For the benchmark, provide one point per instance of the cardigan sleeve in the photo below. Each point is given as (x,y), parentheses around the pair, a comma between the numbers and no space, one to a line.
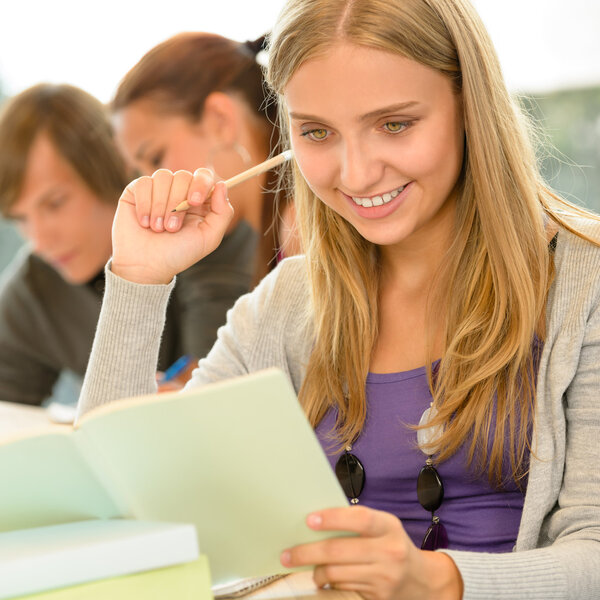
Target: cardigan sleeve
(125,350)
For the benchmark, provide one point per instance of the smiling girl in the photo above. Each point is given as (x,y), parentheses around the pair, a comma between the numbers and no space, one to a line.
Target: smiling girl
(442,329)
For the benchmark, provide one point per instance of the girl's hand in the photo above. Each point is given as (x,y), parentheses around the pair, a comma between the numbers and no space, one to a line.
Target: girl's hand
(381,563)
(151,244)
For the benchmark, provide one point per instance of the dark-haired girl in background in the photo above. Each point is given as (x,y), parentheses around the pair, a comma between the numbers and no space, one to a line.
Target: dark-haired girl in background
(199,100)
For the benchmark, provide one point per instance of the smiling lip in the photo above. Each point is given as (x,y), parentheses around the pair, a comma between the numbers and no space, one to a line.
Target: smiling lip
(378,200)
(379,206)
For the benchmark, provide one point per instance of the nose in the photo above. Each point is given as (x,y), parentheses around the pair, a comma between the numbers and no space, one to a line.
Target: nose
(360,167)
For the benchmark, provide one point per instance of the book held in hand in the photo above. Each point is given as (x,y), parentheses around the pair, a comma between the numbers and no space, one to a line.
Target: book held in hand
(237,459)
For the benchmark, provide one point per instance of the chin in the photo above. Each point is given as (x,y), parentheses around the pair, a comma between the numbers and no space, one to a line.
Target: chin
(383,236)
(76,276)
(73,279)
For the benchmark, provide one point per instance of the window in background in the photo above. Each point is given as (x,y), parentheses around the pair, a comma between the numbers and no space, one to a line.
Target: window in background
(569,121)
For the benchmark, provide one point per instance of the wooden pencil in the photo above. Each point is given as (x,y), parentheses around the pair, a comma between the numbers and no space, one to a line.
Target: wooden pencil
(268,164)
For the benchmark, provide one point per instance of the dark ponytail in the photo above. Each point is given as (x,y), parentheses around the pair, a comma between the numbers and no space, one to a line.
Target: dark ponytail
(182,71)
(258,45)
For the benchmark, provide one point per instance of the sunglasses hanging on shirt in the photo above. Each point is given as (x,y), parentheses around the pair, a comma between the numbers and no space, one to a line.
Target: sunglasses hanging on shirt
(430,489)
(351,474)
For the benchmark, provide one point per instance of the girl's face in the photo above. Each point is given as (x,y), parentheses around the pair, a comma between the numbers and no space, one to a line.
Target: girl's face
(150,139)
(379,139)
(67,224)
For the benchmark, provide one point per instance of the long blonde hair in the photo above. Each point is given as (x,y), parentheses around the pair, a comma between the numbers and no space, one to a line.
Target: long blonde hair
(498,269)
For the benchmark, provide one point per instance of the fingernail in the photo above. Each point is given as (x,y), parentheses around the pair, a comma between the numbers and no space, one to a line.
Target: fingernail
(195,197)
(286,558)
(145,221)
(314,521)
(158,224)
(172,224)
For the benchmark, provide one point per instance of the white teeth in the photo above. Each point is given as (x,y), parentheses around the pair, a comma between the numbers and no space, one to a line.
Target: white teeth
(377,200)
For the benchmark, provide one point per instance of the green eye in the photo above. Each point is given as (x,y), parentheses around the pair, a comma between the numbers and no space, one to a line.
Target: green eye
(394,126)
(319,134)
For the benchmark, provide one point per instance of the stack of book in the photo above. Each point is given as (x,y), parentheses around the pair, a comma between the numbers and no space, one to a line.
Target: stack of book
(116,558)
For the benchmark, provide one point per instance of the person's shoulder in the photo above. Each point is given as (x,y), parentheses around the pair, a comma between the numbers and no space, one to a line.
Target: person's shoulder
(290,274)
(577,263)
(582,241)
(17,283)
(21,269)
(293,266)
(28,278)
(587,225)
(276,309)
(284,287)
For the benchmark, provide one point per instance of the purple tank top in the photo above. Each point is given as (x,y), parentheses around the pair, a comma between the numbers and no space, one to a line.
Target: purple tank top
(477,516)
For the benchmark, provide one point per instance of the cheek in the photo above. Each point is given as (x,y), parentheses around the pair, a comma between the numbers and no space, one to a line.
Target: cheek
(84,227)
(439,158)
(91,222)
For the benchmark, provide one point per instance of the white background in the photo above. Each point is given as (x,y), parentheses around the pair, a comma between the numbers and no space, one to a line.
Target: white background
(543,44)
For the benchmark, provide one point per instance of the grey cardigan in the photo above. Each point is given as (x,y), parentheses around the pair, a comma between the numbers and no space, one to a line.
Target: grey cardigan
(557,553)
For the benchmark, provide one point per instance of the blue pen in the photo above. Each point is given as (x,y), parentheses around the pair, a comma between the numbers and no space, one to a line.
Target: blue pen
(178,367)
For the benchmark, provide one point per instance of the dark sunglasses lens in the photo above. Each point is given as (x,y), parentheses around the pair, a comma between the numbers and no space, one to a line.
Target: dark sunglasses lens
(430,489)
(436,536)
(351,474)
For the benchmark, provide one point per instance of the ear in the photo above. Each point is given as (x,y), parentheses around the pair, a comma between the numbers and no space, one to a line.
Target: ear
(221,119)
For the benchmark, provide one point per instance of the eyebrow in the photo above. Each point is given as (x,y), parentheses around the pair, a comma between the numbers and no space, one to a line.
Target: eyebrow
(386,110)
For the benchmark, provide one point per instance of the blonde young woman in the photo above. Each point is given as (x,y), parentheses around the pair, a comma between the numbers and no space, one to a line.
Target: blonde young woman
(443,284)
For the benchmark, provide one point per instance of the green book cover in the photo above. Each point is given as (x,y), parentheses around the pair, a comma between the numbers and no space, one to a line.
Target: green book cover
(56,556)
(190,581)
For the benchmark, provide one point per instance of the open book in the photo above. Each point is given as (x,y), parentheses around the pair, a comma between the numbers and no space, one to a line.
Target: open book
(237,459)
